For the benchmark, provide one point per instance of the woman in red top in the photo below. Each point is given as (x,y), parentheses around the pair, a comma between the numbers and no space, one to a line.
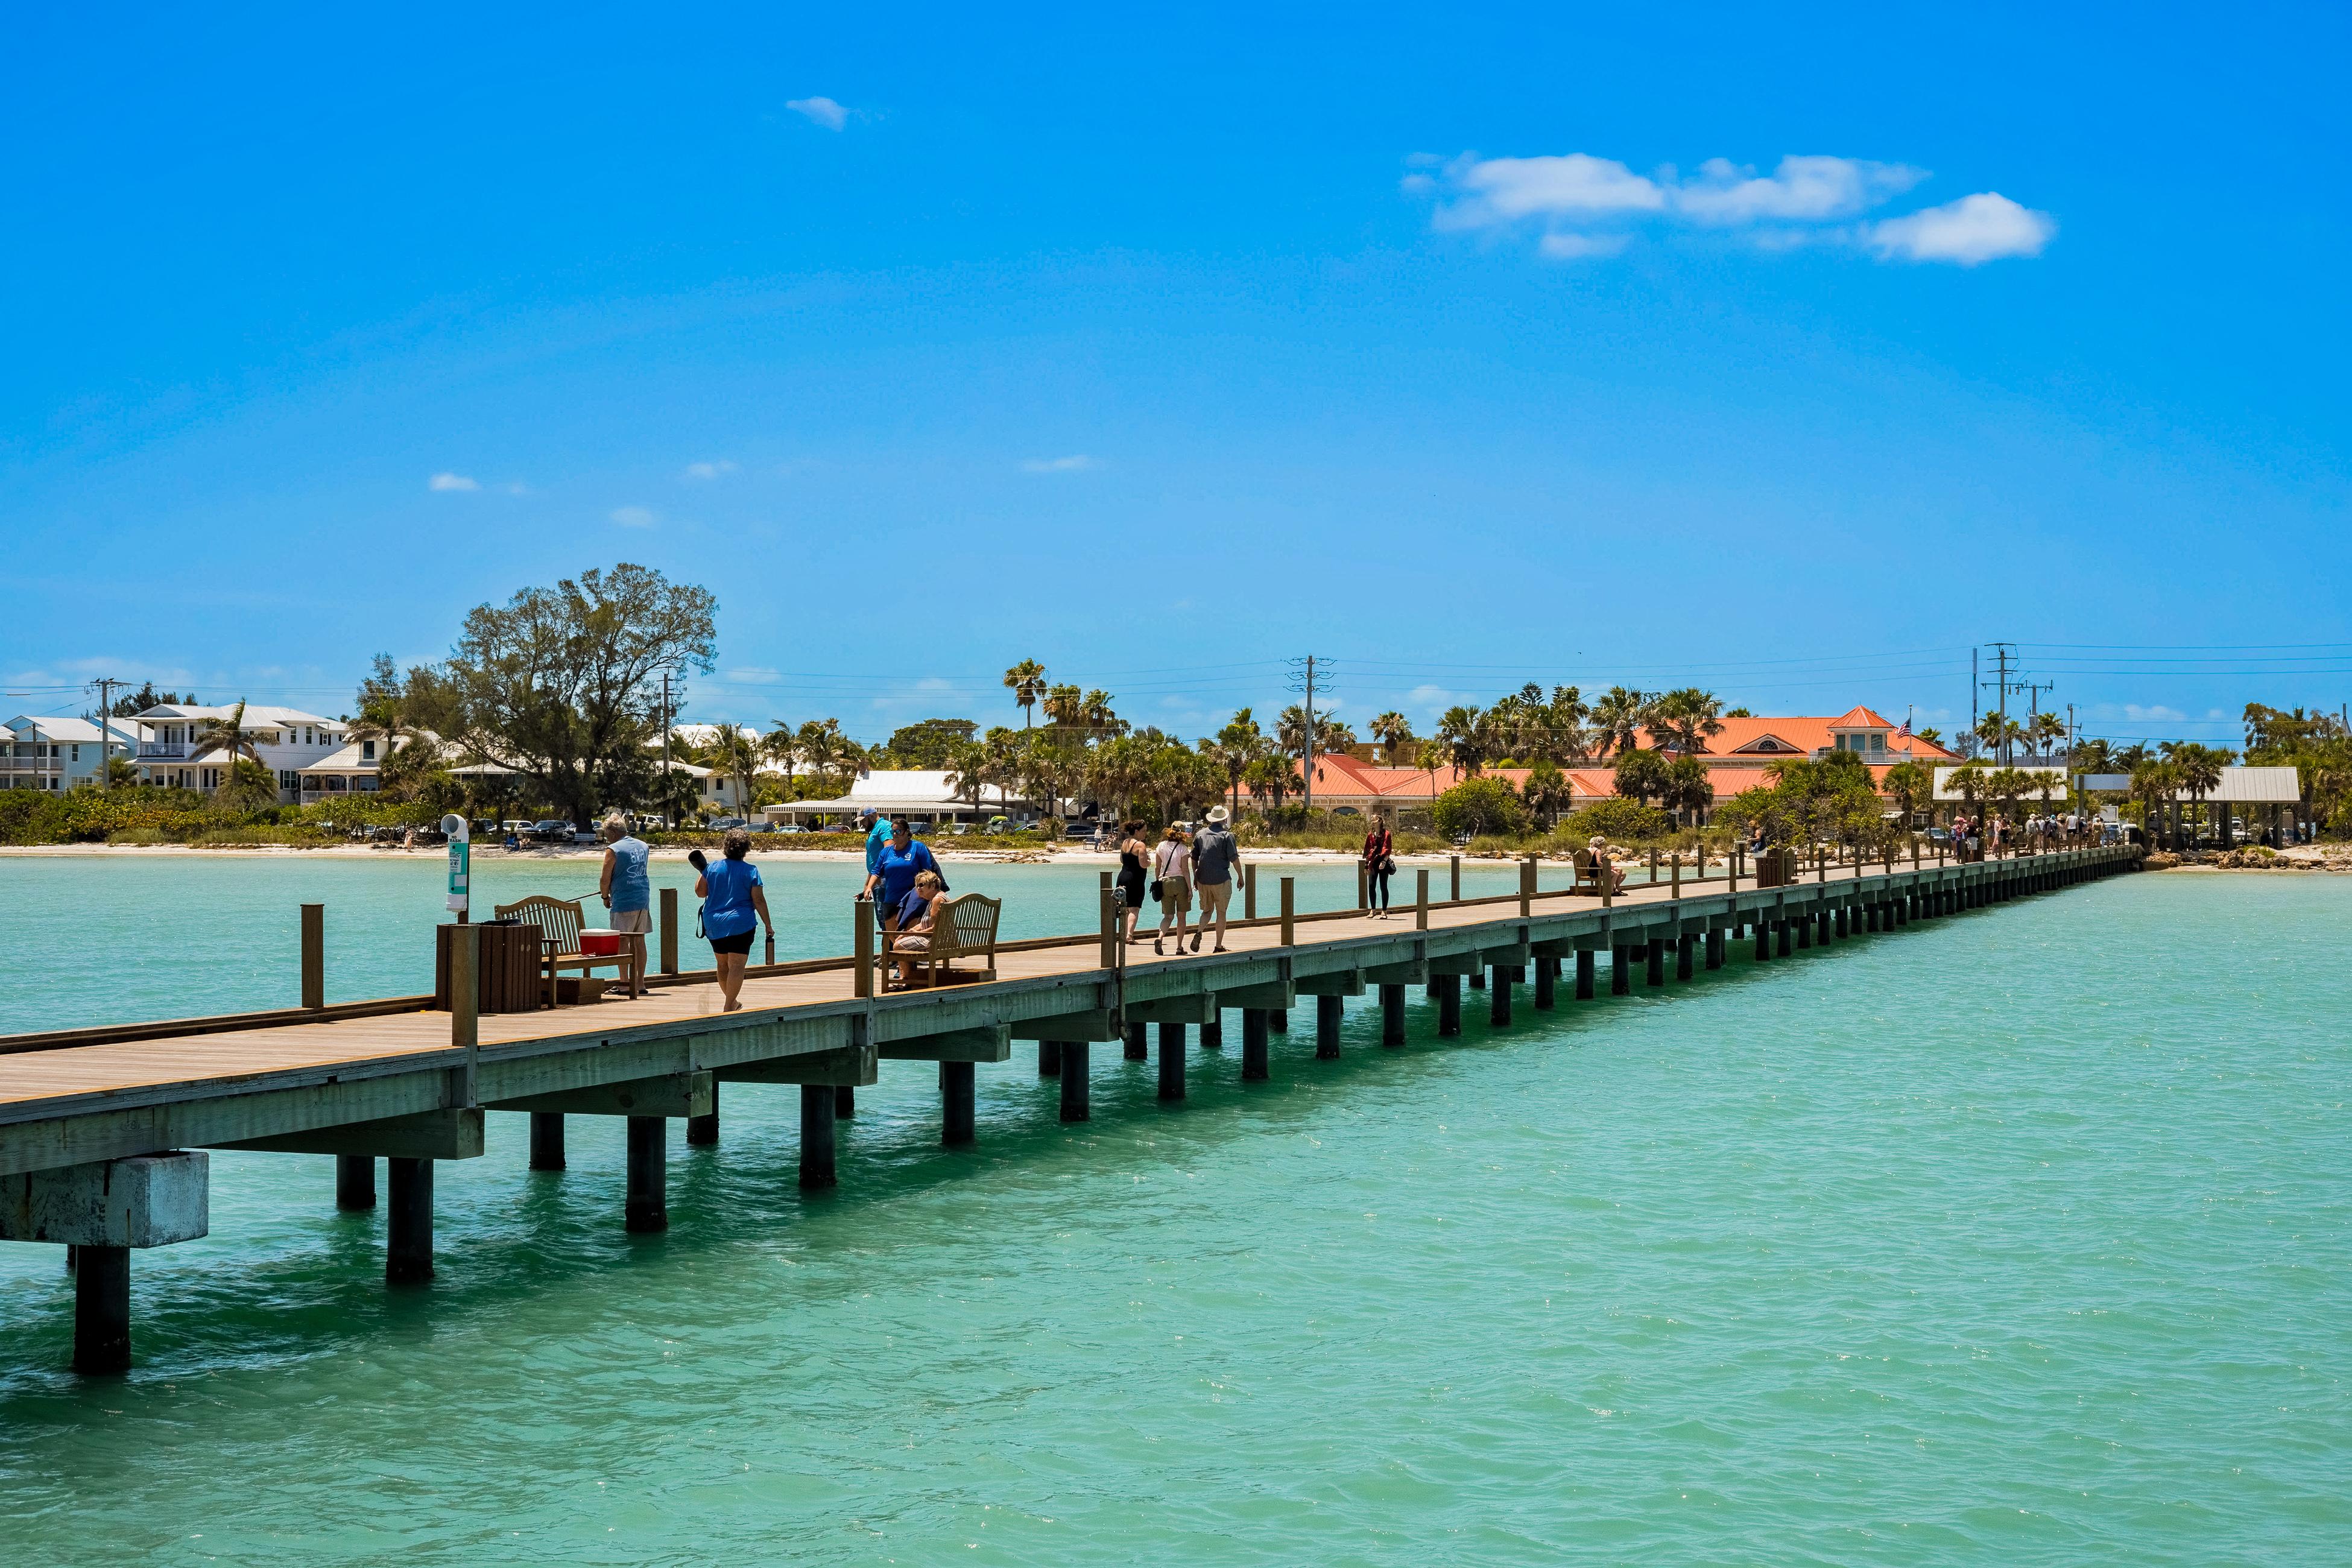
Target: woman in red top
(1379,864)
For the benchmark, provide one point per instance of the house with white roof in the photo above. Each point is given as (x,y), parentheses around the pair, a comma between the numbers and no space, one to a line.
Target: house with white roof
(919,792)
(286,741)
(42,751)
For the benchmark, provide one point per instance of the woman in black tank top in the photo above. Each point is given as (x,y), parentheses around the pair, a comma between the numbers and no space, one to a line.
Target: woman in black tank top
(1133,853)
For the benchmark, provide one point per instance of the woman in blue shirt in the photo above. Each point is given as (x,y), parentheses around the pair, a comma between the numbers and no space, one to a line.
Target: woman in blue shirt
(734,906)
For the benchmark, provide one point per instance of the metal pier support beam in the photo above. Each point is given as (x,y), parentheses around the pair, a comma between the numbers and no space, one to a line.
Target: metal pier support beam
(1547,981)
(646,1210)
(354,1182)
(1135,1047)
(1498,1000)
(1254,1044)
(1392,1015)
(101,1342)
(703,1131)
(1076,1105)
(958,1096)
(1584,974)
(1656,969)
(1171,1061)
(1329,1011)
(547,1140)
(408,1222)
(816,1134)
(1449,1005)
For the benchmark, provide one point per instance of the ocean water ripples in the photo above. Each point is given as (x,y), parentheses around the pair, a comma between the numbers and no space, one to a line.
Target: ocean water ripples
(2019,1237)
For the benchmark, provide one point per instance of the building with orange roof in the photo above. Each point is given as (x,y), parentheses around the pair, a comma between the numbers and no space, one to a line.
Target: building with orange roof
(1737,759)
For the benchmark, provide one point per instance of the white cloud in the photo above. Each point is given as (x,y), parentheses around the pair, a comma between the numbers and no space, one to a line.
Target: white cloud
(1568,247)
(820,110)
(634,516)
(1578,206)
(708,470)
(1982,227)
(451,482)
(1075,463)
(1800,188)
(517,489)
(2158,712)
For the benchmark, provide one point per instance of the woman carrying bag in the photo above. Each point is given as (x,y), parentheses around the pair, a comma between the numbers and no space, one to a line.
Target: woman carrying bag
(1172,863)
(1380,865)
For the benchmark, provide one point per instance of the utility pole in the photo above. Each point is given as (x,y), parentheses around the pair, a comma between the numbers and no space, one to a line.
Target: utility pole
(105,731)
(665,726)
(1307,676)
(2002,683)
(1975,682)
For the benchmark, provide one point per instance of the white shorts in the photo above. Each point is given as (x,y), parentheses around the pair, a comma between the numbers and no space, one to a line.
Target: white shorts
(631,921)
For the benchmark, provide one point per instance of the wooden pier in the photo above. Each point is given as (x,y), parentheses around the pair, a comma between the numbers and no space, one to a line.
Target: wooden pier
(102,1131)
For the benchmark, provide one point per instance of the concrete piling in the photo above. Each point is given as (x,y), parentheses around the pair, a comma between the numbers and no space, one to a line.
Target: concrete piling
(354,1182)
(817,1167)
(958,1096)
(646,1210)
(408,1222)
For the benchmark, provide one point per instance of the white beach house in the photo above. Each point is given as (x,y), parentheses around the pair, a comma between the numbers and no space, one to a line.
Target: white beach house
(286,740)
(42,752)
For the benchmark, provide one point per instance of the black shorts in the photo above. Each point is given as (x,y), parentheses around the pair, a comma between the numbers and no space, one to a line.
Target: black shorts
(741,942)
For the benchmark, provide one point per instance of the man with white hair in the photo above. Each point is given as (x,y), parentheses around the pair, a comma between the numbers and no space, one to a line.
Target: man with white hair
(626,887)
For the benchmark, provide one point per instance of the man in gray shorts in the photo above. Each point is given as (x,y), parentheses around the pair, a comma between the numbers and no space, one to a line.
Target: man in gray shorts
(1216,857)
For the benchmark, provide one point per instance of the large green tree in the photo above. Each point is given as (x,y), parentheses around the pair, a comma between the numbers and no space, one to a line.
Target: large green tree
(564,686)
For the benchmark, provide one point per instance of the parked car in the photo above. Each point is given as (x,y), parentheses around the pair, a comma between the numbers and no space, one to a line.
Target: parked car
(551,830)
(787,827)
(723,822)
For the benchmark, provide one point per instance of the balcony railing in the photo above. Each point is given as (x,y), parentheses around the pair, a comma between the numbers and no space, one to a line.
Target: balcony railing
(164,751)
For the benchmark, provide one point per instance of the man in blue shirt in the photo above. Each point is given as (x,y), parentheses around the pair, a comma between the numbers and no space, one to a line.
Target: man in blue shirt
(877,835)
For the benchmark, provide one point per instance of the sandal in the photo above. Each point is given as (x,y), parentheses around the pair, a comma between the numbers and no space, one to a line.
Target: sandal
(1155,946)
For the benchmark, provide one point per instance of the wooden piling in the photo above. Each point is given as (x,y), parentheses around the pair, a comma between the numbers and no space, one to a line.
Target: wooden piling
(1329,1011)
(816,1137)
(354,1182)
(959,1106)
(646,1208)
(703,1131)
(1289,912)
(1421,898)
(408,1222)
(861,946)
(1454,863)
(1526,887)
(314,956)
(1076,1085)
(102,1333)
(1171,1057)
(547,1140)
(668,953)
(1248,876)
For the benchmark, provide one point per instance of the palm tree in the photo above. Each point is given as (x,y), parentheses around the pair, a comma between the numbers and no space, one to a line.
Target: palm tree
(227,736)
(1686,719)
(1118,768)
(1689,788)
(1618,718)
(2200,767)
(968,772)
(1463,730)
(782,745)
(1909,786)
(1546,792)
(825,748)
(1233,749)
(1392,731)
(1065,705)
(739,761)
(2154,784)
(1968,784)
(1097,711)
(2043,731)
(1999,734)
(1026,680)
(1270,778)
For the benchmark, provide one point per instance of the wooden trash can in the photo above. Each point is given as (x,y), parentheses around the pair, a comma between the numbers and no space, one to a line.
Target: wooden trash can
(507,970)
(1776,868)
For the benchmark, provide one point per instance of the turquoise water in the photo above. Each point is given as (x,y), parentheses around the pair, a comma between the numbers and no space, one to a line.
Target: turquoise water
(106,942)
(2019,1238)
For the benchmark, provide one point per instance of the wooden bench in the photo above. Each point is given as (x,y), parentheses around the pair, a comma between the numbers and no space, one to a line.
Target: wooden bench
(560,923)
(965,928)
(1588,875)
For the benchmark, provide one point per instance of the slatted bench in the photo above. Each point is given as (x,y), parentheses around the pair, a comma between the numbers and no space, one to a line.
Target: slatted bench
(560,923)
(965,928)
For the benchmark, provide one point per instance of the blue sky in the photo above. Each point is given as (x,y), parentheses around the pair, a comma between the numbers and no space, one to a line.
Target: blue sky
(1789,359)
